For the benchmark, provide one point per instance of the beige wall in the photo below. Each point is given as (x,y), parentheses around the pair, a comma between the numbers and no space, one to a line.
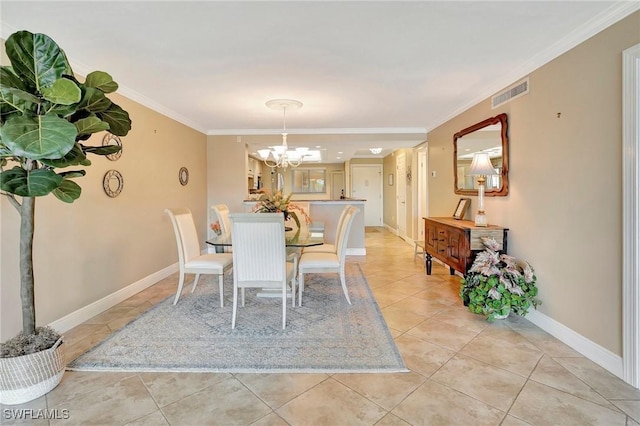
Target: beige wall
(227,172)
(98,245)
(564,206)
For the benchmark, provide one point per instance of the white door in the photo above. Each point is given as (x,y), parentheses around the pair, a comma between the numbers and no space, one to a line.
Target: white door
(422,195)
(366,184)
(401,195)
(337,185)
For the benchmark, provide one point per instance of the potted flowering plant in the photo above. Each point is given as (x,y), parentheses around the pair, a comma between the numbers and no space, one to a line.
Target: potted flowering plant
(269,202)
(497,284)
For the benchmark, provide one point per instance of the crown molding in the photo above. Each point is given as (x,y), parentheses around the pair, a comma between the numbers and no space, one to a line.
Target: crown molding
(325,131)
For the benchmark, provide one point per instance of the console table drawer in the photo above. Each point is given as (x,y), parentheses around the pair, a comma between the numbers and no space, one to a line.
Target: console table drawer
(456,242)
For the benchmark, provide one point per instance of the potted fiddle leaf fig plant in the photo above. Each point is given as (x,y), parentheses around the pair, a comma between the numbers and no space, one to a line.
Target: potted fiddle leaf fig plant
(497,284)
(46,115)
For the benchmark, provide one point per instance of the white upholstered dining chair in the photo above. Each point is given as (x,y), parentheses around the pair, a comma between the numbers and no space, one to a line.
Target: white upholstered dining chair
(328,262)
(260,257)
(190,258)
(221,214)
(332,246)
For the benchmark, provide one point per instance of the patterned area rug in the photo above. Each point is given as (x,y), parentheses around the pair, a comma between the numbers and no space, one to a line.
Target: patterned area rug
(325,335)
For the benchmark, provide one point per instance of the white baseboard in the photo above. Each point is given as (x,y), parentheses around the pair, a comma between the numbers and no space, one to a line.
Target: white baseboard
(596,353)
(390,229)
(356,251)
(76,318)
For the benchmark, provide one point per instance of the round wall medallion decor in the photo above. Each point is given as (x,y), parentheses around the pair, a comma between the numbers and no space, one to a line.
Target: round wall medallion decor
(183,176)
(112,183)
(110,139)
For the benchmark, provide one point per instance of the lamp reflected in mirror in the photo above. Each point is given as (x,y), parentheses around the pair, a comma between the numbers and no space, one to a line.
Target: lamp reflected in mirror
(481,166)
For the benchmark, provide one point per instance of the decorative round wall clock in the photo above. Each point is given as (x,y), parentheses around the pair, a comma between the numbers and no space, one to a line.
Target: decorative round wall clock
(183,176)
(112,183)
(111,139)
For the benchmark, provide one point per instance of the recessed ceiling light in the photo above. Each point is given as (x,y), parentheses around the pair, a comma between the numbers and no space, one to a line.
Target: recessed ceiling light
(318,146)
(339,152)
(375,150)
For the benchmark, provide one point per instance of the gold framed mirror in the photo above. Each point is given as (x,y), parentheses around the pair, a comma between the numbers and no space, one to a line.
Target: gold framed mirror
(488,136)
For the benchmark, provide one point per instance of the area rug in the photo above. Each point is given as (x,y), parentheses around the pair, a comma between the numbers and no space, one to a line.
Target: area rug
(325,335)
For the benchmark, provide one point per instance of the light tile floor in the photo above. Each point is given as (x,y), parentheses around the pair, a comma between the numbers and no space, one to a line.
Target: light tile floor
(464,371)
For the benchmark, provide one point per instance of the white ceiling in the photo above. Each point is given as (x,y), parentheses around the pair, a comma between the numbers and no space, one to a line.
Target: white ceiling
(368,73)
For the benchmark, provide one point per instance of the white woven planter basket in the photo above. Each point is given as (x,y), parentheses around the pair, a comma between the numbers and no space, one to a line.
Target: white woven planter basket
(25,378)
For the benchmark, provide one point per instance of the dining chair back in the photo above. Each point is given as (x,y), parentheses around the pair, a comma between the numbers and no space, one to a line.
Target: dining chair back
(221,214)
(320,262)
(190,258)
(330,247)
(259,256)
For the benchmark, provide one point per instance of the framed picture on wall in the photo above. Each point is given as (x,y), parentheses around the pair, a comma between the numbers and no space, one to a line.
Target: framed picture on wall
(460,211)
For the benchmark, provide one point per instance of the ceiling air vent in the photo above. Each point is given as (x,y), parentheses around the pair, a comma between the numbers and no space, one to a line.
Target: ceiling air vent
(515,91)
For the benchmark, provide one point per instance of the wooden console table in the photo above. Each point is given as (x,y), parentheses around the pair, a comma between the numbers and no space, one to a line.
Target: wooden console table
(456,242)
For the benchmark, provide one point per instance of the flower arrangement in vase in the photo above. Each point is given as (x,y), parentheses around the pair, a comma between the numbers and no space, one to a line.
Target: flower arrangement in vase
(276,202)
(497,284)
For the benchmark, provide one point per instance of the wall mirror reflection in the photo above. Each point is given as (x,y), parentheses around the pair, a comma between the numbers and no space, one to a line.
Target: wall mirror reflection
(489,136)
(309,180)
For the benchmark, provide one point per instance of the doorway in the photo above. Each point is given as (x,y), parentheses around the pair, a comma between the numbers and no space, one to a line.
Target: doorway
(366,184)
(337,184)
(401,195)
(422,195)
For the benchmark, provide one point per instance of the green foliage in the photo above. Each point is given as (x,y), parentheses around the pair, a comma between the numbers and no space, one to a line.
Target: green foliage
(497,285)
(46,113)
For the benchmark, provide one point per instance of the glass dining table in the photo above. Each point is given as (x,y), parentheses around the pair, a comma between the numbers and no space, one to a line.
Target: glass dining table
(315,237)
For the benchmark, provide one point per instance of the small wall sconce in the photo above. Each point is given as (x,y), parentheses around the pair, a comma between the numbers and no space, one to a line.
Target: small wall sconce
(481,166)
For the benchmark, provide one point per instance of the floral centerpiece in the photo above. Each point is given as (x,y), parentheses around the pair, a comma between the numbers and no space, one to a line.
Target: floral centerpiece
(269,202)
(497,284)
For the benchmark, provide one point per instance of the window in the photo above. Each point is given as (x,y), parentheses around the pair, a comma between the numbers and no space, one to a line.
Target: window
(309,180)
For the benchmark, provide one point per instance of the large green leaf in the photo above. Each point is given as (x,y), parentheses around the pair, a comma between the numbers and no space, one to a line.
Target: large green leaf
(90,125)
(37,59)
(34,183)
(102,150)
(16,99)
(43,136)
(118,119)
(71,174)
(68,191)
(102,81)
(94,100)
(73,158)
(63,92)
(9,78)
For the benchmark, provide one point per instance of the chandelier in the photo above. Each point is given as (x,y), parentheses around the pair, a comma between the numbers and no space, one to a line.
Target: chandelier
(280,155)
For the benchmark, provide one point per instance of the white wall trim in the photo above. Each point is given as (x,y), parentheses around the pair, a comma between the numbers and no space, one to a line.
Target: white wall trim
(356,251)
(596,353)
(76,318)
(631,215)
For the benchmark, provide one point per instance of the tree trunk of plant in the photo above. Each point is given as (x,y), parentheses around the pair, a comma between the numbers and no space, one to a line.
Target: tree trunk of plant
(27,214)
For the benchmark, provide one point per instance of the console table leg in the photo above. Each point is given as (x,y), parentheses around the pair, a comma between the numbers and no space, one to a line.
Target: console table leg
(428,263)
(452,271)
